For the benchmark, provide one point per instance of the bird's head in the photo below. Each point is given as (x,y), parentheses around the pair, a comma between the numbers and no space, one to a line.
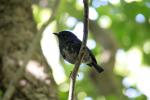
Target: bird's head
(65,35)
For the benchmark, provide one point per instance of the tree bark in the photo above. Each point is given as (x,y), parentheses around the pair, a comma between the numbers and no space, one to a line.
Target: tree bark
(17,30)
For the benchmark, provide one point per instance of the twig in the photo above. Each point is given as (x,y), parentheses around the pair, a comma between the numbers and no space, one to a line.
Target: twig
(81,53)
(32,47)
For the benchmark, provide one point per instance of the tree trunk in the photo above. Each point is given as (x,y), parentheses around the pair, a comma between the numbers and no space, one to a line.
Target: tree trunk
(17,31)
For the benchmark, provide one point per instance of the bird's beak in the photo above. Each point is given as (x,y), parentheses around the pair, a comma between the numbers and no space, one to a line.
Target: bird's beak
(55,34)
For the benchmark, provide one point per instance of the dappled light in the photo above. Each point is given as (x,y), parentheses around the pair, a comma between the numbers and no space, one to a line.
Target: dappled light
(128,62)
(118,37)
(105,21)
(93,15)
(50,50)
(140,18)
(36,70)
(130,1)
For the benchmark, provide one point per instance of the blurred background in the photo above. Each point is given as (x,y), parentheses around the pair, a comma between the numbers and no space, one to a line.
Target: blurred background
(119,37)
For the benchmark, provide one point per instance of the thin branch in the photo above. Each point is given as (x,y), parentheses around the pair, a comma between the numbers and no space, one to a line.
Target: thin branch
(81,53)
(32,47)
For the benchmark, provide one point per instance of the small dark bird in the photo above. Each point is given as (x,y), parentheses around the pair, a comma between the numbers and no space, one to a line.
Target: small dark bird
(69,46)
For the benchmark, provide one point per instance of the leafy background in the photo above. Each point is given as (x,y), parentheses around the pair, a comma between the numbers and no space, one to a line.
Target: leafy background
(125,22)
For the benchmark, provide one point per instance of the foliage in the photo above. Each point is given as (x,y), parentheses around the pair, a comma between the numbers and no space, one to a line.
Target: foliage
(129,24)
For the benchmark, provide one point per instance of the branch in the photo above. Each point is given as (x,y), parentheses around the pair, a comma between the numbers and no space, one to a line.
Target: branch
(81,53)
(32,47)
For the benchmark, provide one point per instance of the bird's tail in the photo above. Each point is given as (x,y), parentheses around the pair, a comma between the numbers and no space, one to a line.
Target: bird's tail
(97,67)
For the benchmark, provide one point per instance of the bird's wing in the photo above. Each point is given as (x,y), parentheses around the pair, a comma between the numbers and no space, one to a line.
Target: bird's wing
(75,46)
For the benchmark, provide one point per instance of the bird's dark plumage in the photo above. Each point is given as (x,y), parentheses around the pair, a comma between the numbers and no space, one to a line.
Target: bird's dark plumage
(69,46)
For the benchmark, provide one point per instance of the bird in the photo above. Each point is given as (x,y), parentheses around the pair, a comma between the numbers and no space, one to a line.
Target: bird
(69,46)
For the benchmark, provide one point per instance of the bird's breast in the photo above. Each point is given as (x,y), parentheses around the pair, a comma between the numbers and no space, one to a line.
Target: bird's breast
(70,56)
(70,50)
